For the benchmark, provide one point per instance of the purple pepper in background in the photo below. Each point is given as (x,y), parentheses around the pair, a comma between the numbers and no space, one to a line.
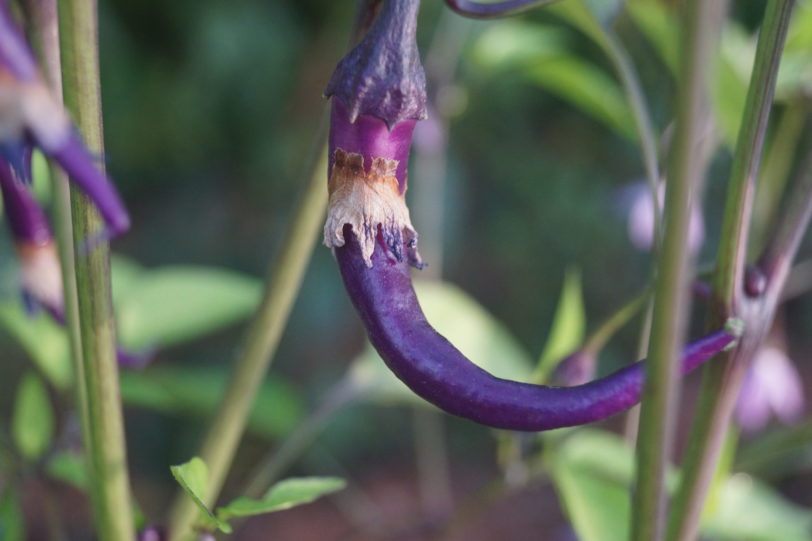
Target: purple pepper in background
(378,94)
(30,115)
(40,272)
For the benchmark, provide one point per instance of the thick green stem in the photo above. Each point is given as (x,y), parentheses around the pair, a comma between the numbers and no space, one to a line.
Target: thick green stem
(43,16)
(282,286)
(106,451)
(723,379)
(703,23)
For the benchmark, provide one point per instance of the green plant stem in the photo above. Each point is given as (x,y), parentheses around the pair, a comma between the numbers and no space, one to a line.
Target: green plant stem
(43,16)
(722,379)
(703,23)
(104,423)
(642,120)
(346,391)
(775,169)
(260,343)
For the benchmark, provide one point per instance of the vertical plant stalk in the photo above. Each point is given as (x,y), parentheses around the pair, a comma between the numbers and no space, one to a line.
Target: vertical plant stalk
(44,21)
(703,23)
(260,343)
(722,381)
(106,452)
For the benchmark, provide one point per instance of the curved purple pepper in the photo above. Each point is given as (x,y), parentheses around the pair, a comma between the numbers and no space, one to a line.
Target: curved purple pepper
(369,229)
(434,369)
(29,114)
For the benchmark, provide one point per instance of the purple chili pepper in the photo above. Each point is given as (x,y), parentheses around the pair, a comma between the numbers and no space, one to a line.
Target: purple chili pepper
(378,94)
(30,114)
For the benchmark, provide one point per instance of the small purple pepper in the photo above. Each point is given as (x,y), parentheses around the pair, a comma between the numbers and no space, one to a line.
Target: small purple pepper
(378,93)
(30,115)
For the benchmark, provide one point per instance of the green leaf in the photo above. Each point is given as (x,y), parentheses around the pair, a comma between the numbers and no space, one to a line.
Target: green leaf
(12,527)
(660,26)
(33,423)
(170,305)
(69,467)
(587,87)
(43,340)
(458,317)
(510,43)
(569,324)
(283,495)
(591,470)
(749,509)
(193,477)
(196,391)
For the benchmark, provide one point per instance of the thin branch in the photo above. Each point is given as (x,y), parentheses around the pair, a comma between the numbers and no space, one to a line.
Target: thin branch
(703,22)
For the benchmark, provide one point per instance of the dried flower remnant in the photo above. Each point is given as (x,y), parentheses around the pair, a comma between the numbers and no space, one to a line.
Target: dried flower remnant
(30,115)
(378,94)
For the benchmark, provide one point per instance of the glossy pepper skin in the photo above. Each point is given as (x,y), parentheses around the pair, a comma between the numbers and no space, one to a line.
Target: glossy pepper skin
(374,110)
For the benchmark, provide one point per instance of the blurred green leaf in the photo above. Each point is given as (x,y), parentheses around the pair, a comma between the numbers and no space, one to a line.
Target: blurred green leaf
(43,340)
(510,43)
(659,25)
(69,467)
(458,317)
(175,304)
(587,87)
(193,477)
(781,451)
(539,51)
(569,324)
(125,274)
(749,509)
(588,16)
(194,390)
(12,527)
(33,422)
(283,495)
(591,470)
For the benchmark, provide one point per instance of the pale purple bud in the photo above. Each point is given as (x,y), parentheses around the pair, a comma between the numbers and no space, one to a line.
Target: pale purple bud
(772,387)
(641,219)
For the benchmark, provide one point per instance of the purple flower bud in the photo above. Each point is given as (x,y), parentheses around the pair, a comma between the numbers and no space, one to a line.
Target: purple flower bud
(771,387)
(576,369)
(641,219)
(152,533)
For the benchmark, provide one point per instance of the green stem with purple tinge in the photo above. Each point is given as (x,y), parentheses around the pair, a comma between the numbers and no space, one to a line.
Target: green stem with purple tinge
(107,457)
(733,296)
(702,27)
